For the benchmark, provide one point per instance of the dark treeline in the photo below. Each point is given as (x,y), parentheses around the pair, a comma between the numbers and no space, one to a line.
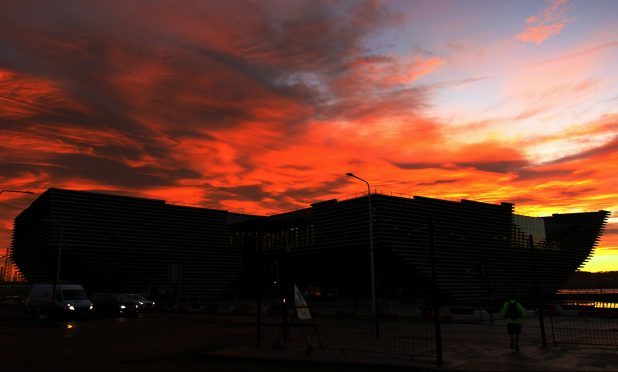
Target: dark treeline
(584,279)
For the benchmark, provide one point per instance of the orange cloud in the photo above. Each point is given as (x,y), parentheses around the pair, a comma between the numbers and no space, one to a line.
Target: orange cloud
(391,70)
(265,110)
(547,24)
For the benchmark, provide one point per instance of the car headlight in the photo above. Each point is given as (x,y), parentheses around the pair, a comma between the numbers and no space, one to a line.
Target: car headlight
(137,307)
(91,307)
(71,307)
(141,303)
(123,307)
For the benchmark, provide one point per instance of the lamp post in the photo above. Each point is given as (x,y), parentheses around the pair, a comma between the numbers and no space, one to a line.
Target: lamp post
(371,261)
(60,251)
(57,276)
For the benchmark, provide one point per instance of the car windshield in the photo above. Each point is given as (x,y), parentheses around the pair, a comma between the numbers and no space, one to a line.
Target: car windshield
(74,294)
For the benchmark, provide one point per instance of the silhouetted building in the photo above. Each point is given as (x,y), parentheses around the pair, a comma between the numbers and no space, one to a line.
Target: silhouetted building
(482,250)
(193,254)
(122,244)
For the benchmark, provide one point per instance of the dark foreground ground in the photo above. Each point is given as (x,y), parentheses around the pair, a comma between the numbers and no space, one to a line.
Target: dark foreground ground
(151,341)
(164,341)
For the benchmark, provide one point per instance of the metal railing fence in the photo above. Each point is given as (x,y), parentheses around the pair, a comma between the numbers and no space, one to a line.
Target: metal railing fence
(409,337)
(601,330)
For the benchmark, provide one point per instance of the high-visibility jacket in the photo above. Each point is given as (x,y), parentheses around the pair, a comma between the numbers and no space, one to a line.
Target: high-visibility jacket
(521,311)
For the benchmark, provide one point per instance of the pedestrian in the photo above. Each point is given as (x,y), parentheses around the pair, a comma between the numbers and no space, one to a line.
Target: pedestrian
(513,312)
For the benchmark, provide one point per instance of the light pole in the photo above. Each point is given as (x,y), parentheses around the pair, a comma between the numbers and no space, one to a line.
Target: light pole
(5,273)
(371,261)
(60,251)
(57,276)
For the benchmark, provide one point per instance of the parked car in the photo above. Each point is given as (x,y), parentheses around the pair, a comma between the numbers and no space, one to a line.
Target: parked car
(71,300)
(143,304)
(114,304)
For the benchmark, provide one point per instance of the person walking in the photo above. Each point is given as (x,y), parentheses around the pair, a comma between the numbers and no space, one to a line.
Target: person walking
(513,312)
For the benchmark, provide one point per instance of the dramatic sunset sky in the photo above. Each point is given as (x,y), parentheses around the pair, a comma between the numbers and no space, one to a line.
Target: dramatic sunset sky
(263,106)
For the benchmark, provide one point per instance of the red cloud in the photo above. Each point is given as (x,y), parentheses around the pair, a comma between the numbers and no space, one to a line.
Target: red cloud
(257,111)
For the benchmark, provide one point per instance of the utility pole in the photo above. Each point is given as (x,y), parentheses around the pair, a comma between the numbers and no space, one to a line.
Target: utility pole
(372,279)
(57,276)
(259,282)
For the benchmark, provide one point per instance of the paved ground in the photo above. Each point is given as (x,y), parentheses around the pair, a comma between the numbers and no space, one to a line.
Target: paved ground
(488,349)
(468,347)
(226,343)
(156,341)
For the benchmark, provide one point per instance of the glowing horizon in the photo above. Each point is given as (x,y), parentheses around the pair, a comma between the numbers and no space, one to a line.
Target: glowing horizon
(263,107)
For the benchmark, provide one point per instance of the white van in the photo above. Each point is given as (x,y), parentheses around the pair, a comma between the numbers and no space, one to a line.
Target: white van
(71,299)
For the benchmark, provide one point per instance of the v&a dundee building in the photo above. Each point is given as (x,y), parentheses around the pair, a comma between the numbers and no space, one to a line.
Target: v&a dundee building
(199,255)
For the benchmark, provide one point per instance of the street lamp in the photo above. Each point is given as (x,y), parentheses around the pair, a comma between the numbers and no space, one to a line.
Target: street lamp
(371,261)
(57,277)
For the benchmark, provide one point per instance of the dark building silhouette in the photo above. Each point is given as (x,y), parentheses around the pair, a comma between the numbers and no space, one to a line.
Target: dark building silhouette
(119,243)
(195,254)
(480,248)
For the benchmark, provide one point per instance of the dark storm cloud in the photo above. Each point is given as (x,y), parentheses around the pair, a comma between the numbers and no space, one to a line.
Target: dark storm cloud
(155,72)
(279,39)
(357,162)
(105,171)
(9,169)
(358,106)
(495,166)
(523,170)
(296,167)
(117,173)
(521,200)
(413,165)
(528,173)
(486,166)
(287,200)
(605,149)
(310,193)
(299,196)
(438,182)
(244,192)
(577,192)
